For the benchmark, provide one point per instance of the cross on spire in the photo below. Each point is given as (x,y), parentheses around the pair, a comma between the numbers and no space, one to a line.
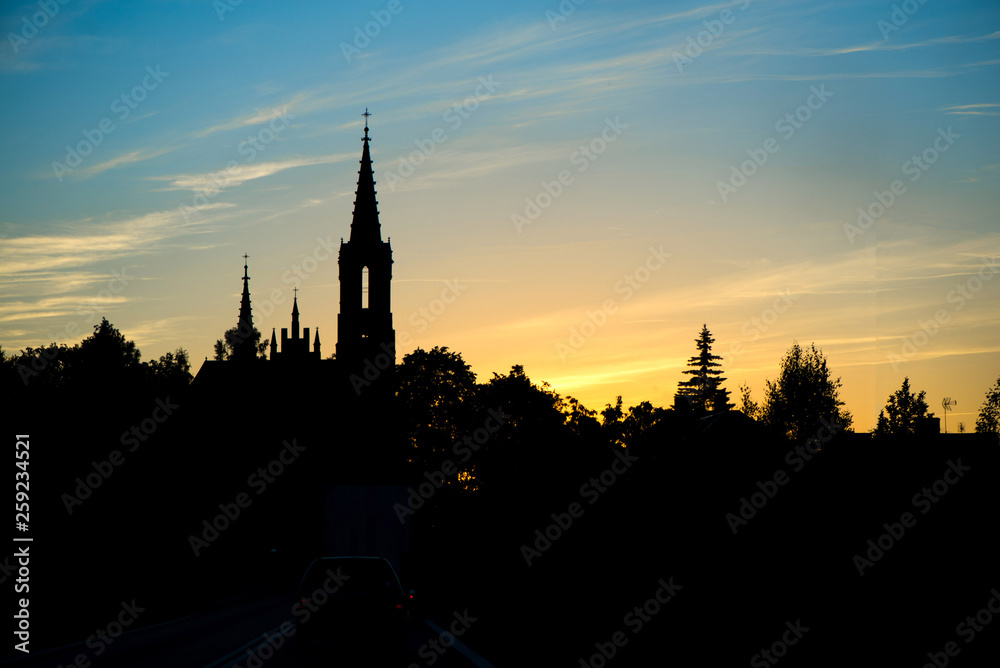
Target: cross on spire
(366,115)
(245,257)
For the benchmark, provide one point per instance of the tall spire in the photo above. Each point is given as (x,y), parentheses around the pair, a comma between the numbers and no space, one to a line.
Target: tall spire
(245,346)
(365,226)
(295,314)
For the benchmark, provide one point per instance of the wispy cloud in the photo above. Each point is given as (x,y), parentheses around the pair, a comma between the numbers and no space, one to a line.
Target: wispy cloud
(985,109)
(871,46)
(225,178)
(88,242)
(131,158)
(256,117)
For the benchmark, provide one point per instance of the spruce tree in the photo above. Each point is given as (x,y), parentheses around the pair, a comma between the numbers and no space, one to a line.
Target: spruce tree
(704,390)
(902,414)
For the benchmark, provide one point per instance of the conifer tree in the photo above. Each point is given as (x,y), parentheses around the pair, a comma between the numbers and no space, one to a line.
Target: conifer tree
(902,413)
(704,390)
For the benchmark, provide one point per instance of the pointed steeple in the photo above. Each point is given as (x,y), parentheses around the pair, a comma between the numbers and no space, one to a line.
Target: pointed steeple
(365,227)
(316,343)
(245,347)
(274,343)
(364,325)
(295,314)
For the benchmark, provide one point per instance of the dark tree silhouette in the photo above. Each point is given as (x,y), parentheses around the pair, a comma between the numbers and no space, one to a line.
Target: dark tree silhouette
(804,396)
(537,443)
(107,347)
(748,406)
(902,413)
(226,347)
(172,370)
(436,395)
(38,367)
(988,421)
(531,406)
(704,389)
(627,429)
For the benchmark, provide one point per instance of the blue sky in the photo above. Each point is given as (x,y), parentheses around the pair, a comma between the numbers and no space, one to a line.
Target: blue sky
(240,128)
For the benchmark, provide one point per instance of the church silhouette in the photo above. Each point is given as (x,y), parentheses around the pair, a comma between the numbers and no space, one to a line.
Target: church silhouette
(365,358)
(339,412)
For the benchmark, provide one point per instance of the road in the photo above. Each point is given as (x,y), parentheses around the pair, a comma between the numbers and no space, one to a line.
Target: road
(248,635)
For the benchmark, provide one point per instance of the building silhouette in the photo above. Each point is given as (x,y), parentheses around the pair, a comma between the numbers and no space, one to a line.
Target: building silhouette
(340,408)
(364,327)
(294,348)
(366,341)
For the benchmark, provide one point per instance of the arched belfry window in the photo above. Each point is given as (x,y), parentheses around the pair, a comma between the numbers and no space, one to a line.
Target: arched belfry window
(364,287)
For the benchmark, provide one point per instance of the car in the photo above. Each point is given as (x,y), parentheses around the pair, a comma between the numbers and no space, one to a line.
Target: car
(350,606)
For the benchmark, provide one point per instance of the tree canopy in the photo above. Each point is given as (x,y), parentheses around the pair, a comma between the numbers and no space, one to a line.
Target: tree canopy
(225,348)
(988,421)
(804,396)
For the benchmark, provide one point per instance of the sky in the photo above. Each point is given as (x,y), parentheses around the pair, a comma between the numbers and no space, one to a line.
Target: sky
(574,186)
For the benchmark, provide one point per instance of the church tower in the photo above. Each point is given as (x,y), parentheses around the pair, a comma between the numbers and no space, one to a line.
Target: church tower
(364,326)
